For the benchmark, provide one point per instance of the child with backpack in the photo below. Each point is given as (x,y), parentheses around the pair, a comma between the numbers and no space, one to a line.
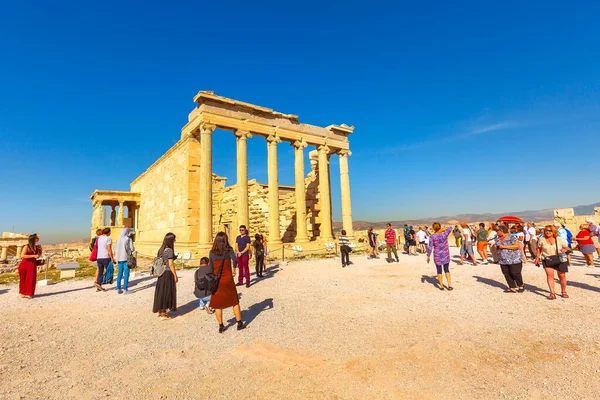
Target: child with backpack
(201,285)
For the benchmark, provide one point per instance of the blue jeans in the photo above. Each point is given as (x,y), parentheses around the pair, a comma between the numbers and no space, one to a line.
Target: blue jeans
(203,301)
(123,268)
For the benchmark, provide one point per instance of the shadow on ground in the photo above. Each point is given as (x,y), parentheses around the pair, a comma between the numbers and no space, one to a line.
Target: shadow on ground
(268,274)
(528,288)
(430,279)
(253,311)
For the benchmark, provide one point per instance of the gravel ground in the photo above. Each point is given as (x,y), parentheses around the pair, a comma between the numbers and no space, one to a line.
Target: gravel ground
(315,330)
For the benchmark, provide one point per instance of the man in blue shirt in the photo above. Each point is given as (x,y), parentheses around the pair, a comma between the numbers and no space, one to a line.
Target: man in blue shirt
(242,244)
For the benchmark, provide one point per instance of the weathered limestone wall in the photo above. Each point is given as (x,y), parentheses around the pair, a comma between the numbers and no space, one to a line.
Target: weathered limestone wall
(225,206)
(572,222)
(169,198)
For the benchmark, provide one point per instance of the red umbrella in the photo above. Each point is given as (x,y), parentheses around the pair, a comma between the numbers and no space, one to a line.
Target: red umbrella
(510,219)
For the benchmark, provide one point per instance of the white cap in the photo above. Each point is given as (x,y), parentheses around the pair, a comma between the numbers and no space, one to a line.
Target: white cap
(557,224)
(589,220)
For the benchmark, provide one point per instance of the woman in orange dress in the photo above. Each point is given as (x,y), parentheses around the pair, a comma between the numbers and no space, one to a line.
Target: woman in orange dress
(28,267)
(223,261)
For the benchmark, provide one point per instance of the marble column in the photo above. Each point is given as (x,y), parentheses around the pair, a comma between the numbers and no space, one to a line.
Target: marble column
(345,189)
(4,253)
(19,250)
(326,231)
(301,232)
(136,218)
(121,214)
(242,176)
(206,220)
(273,176)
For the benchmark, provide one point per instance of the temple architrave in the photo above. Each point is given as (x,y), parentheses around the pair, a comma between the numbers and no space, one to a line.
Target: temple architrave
(11,245)
(179,193)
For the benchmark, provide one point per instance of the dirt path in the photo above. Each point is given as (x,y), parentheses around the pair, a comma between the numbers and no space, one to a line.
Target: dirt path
(315,330)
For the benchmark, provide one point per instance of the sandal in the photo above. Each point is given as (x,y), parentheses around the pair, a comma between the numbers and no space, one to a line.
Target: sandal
(510,290)
(441,288)
(521,288)
(450,288)
(564,295)
(552,296)
(209,310)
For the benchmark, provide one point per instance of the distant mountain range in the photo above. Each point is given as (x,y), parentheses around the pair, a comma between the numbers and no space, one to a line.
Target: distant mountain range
(530,215)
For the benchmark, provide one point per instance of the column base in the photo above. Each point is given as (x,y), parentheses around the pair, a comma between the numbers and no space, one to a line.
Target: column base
(204,249)
(302,240)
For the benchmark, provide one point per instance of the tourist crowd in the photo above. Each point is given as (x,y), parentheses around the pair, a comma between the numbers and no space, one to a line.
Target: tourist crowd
(504,244)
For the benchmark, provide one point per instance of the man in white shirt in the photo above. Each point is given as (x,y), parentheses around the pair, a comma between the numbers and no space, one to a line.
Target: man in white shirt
(105,255)
(422,237)
(531,237)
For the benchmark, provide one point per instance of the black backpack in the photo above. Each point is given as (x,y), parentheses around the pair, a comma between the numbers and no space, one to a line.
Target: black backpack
(209,283)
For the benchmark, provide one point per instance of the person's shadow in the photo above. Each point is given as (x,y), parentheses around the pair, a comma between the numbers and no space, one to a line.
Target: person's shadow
(2,291)
(429,279)
(528,288)
(253,311)
(584,286)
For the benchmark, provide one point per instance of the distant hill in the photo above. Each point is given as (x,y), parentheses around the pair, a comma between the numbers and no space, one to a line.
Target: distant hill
(529,215)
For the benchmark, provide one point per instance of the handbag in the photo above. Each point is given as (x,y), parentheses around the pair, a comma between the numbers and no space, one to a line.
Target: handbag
(212,281)
(554,260)
(131,259)
(94,255)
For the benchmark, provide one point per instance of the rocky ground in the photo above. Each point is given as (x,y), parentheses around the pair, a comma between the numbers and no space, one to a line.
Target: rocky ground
(315,330)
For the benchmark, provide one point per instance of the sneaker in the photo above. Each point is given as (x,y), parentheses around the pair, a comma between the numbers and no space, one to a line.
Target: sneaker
(210,311)
(241,325)
(120,291)
(126,291)
(202,308)
(247,285)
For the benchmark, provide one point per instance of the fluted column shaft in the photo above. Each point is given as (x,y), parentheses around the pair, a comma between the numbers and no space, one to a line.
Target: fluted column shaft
(242,176)
(274,231)
(345,189)
(4,253)
(326,232)
(19,251)
(206,220)
(301,231)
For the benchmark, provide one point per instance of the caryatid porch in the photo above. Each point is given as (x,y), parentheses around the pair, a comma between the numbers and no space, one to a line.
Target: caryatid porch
(109,210)
(248,120)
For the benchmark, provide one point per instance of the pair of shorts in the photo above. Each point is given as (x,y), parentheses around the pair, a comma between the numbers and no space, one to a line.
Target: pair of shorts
(466,248)
(482,246)
(412,242)
(562,267)
(587,248)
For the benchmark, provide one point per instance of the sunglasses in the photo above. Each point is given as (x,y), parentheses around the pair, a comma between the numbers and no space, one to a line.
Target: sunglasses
(548,230)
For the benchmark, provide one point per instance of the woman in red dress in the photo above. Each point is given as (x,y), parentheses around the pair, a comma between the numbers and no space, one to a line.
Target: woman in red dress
(28,267)
(223,261)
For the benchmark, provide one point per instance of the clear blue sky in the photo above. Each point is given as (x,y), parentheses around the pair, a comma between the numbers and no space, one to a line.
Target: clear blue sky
(458,108)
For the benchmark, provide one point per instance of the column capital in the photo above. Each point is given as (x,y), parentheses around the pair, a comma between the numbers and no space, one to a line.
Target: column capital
(299,144)
(324,149)
(344,153)
(242,134)
(206,128)
(273,139)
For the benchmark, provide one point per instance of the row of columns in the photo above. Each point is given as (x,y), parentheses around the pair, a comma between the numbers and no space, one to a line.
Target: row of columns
(119,215)
(205,234)
(4,252)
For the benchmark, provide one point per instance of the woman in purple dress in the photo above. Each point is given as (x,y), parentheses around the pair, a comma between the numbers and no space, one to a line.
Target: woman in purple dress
(438,243)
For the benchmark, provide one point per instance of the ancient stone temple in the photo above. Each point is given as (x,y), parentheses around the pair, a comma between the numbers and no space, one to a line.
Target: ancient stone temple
(179,193)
